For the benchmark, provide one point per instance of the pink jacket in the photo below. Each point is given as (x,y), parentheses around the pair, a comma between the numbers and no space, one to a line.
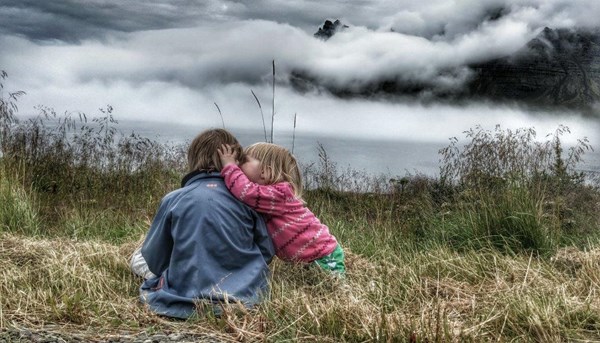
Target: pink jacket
(297,233)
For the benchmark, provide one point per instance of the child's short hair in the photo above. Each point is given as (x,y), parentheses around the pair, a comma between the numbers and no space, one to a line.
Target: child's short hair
(202,153)
(282,164)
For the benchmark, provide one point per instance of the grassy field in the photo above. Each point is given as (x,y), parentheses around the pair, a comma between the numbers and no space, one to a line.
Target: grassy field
(502,246)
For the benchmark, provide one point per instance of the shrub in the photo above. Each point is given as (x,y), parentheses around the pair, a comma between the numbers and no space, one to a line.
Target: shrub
(514,191)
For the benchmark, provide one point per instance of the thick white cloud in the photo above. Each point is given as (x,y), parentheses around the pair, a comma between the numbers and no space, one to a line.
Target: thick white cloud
(242,51)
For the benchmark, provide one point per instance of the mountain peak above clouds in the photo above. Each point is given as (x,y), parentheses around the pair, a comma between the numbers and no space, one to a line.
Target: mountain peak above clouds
(329,28)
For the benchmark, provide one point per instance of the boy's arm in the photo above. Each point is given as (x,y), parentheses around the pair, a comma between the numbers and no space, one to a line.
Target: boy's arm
(266,199)
(158,244)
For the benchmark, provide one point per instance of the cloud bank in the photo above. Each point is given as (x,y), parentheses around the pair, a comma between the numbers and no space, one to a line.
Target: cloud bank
(221,42)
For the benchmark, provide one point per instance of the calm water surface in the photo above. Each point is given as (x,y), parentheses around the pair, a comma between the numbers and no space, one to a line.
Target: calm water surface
(373,156)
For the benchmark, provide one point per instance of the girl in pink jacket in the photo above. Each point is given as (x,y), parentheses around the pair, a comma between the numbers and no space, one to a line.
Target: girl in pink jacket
(268,180)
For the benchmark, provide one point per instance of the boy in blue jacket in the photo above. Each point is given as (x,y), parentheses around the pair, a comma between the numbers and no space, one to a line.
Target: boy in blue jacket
(203,244)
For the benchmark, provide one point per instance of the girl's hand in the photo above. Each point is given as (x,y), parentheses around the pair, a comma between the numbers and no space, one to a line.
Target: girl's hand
(227,155)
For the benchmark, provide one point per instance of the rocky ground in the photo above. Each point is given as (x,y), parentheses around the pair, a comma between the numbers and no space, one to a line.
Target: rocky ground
(48,336)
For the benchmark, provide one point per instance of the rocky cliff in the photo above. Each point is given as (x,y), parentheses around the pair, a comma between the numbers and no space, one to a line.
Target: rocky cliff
(557,68)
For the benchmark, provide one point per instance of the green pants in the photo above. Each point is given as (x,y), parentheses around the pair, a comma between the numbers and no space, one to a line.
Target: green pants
(333,262)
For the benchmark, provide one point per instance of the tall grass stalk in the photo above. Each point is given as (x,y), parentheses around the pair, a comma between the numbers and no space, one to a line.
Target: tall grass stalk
(294,133)
(261,114)
(220,115)
(273,103)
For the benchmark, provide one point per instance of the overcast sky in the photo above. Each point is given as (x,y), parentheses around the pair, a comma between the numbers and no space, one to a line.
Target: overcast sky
(171,60)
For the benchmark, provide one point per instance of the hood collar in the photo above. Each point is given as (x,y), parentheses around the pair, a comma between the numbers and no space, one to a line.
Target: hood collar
(198,174)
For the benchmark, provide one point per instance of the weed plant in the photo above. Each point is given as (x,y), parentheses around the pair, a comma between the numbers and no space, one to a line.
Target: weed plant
(88,178)
(518,192)
(502,246)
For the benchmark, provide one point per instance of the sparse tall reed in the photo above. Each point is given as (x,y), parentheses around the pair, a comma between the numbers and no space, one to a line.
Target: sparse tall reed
(261,114)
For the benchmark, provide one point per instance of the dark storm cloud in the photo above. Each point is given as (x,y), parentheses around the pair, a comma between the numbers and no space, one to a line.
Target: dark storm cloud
(75,20)
(306,15)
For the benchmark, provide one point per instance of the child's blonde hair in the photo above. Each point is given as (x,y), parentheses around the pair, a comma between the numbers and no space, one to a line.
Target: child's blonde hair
(282,164)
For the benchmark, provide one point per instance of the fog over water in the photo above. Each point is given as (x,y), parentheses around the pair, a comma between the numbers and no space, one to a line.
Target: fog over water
(164,64)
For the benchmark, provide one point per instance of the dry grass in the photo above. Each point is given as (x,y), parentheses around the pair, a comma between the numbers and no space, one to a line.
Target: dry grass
(433,295)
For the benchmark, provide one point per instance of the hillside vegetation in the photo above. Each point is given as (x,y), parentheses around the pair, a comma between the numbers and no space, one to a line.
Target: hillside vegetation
(501,246)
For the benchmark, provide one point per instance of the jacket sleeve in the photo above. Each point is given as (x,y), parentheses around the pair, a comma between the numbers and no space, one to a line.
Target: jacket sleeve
(262,239)
(267,199)
(158,244)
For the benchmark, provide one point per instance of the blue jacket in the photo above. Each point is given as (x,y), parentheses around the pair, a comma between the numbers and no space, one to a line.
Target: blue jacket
(205,245)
